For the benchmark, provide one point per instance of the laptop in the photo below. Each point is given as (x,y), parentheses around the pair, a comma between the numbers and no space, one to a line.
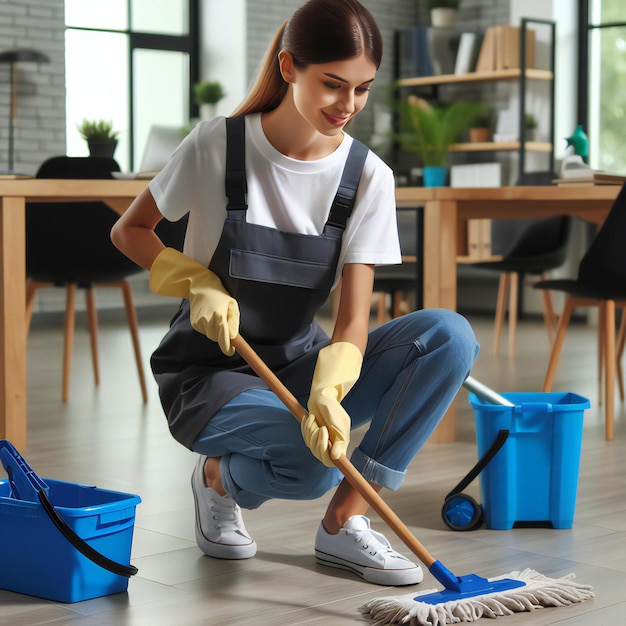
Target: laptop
(160,145)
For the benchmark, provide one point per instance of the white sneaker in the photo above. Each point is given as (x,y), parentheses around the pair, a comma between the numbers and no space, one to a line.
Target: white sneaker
(359,549)
(220,531)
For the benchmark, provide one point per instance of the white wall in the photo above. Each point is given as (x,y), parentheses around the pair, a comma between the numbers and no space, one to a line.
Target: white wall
(223,57)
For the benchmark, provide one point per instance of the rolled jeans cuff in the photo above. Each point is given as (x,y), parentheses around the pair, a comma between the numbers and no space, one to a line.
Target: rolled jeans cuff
(376,473)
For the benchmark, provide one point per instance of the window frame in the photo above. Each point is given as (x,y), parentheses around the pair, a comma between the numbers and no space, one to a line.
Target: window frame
(188,43)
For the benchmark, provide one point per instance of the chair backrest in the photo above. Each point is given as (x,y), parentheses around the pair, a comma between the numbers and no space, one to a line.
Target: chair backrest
(604,263)
(532,237)
(70,242)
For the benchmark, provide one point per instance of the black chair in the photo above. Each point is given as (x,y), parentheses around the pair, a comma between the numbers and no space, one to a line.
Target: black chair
(68,245)
(529,247)
(601,282)
(396,280)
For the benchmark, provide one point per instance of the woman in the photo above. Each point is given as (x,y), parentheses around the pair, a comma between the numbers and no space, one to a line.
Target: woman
(282,203)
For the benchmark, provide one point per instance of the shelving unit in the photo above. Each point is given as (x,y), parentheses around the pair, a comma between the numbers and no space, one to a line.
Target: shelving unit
(521,76)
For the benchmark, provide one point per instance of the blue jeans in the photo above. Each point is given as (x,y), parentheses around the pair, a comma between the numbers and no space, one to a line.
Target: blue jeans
(412,369)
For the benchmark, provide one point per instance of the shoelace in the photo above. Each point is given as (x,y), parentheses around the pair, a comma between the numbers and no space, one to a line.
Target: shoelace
(226,516)
(369,539)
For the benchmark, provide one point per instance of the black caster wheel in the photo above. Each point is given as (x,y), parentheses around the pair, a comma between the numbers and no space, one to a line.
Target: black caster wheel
(462,512)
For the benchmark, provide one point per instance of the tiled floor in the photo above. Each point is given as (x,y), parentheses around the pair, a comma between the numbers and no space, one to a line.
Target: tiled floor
(106,437)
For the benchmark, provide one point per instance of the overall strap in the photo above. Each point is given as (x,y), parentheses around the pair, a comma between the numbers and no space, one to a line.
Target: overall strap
(235,179)
(344,199)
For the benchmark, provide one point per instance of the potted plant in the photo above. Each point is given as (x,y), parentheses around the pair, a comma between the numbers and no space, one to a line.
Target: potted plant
(429,131)
(480,130)
(443,13)
(100,137)
(530,127)
(207,94)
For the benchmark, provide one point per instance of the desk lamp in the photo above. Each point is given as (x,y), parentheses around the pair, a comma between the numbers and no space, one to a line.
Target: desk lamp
(15,56)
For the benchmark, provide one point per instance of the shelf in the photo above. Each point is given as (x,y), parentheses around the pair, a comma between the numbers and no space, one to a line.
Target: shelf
(489,146)
(474,77)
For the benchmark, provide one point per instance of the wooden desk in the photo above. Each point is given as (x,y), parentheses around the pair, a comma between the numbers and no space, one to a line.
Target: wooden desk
(447,209)
(13,195)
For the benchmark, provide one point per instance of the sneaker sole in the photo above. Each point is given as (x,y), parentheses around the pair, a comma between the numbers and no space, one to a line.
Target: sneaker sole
(393,578)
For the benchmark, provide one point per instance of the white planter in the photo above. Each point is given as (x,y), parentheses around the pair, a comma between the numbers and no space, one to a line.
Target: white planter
(207,112)
(443,17)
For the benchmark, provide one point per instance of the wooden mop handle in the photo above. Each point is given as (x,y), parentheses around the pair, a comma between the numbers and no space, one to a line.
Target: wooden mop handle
(342,463)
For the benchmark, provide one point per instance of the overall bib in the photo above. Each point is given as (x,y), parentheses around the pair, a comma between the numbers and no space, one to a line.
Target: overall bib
(280,281)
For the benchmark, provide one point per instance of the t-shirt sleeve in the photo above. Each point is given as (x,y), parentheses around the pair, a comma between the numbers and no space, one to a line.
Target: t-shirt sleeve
(180,186)
(371,236)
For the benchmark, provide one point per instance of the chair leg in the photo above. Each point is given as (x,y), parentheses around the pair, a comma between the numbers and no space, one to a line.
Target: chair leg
(621,340)
(503,287)
(558,343)
(397,304)
(513,296)
(382,306)
(600,349)
(69,340)
(134,331)
(92,323)
(609,368)
(549,316)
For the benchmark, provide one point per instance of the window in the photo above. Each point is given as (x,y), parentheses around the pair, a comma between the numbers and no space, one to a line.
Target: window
(603,23)
(132,62)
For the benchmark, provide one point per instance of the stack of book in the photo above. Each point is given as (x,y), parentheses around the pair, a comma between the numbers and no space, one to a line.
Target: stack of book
(588,177)
(500,49)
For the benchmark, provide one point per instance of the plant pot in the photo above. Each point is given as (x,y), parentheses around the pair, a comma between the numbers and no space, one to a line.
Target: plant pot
(530,134)
(102,147)
(479,135)
(435,175)
(207,111)
(443,17)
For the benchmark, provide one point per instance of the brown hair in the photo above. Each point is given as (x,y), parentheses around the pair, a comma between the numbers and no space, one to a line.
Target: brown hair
(321,31)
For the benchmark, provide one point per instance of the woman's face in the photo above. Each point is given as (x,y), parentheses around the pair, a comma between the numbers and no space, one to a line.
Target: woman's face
(329,95)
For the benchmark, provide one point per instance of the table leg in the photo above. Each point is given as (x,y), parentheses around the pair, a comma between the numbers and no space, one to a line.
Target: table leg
(440,252)
(12,322)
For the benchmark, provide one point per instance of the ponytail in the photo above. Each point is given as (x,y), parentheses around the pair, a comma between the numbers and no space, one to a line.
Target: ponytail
(269,88)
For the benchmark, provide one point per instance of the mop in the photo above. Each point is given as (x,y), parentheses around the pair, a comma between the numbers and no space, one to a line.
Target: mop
(464,598)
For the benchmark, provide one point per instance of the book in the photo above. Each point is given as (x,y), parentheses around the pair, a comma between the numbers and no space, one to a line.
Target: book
(442,45)
(465,56)
(508,47)
(595,178)
(13,176)
(486,61)
(415,58)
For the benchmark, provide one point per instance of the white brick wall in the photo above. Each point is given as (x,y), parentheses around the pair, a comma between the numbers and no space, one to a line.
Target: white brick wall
(40,123)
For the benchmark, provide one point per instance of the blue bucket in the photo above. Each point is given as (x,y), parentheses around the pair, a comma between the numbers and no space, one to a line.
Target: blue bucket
(37,559)
(533,479)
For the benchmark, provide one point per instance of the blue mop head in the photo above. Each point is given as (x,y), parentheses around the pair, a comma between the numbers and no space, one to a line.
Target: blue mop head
(536,591)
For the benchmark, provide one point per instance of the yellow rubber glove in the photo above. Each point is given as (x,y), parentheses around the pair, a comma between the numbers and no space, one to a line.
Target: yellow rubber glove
(337,369)
(213,311)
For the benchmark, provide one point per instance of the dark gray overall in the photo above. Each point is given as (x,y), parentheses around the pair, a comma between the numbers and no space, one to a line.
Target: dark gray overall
(280,280)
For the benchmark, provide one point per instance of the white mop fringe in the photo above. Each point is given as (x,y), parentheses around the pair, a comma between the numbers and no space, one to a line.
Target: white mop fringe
(538,592)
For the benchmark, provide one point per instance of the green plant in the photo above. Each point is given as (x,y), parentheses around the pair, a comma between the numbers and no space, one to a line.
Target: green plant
(430,131)
(98,130)
(208,92)
(530,121)
(483,120)
(443,4)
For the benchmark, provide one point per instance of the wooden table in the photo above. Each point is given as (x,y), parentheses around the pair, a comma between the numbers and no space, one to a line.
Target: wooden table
(446,211)
(13,195)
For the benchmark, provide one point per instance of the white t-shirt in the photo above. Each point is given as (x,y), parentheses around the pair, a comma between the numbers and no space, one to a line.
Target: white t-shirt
(283,193)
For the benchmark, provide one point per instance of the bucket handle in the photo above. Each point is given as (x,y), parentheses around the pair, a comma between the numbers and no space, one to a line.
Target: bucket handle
(534,407)
(80,544)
